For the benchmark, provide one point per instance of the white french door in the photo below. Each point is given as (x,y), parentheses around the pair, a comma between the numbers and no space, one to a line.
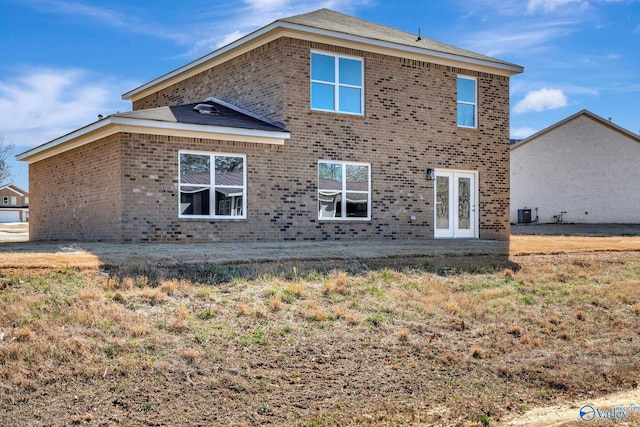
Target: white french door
(455,199)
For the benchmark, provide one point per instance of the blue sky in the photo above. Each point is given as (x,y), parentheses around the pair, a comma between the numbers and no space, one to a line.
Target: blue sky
(63,62)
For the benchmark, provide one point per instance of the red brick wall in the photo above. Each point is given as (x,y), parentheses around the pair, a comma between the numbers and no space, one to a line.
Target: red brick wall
(76,195)
(253,80)
(409,125)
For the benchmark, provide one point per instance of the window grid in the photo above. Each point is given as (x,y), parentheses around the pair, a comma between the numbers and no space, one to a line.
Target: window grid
(234,207)
(463,120)
(336,84)
(327,196)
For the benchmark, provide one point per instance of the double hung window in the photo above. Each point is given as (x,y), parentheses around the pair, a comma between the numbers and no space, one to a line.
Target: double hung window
(467,102)
(212,185)
(344,190)
(337,83)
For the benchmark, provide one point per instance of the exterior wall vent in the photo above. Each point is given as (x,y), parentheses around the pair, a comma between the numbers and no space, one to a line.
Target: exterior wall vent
(205,109)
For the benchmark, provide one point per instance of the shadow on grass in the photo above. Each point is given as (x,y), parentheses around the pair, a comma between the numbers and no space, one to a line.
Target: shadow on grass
(207,273)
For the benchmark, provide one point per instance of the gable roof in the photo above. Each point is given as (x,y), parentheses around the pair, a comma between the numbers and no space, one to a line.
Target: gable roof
(586,113)
(336,28)
(19,191)
(329,20)
(224,115)
(227,122)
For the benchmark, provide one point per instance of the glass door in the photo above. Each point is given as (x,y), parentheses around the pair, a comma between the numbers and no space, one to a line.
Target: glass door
(455,205)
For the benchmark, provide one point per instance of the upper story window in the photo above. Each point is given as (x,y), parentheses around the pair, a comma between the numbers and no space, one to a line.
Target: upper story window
(5,200)
(212,185)
(467,102)
(26,200)
(337,83)
(344,190)
(14,200)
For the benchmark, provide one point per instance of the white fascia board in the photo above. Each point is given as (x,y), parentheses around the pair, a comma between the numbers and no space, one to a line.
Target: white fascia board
(186,129)
(9,187)
(509,69)
(112,125)
(77,138)
(194,64)
(249,41)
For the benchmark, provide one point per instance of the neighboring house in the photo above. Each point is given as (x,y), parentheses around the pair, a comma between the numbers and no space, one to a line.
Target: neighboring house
(14,204)
(585,167)
(320,126)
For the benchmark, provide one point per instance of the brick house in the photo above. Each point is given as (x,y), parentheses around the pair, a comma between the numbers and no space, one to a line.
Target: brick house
(14,204)
(320,126)
(584,166)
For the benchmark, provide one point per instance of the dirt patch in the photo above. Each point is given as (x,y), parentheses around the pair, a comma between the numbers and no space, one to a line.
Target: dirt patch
(625,405)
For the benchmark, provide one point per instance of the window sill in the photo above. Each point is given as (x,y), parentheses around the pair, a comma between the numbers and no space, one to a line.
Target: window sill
(340,113)
(344,219)
(212,218)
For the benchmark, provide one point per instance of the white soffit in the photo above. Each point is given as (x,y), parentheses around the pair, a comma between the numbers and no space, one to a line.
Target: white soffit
(112,125)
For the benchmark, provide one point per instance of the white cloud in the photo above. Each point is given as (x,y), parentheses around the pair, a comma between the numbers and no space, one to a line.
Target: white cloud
(550,5)
(257,13)
(43,104)
(518,37)
(230,22)
(132,20)
(541,100)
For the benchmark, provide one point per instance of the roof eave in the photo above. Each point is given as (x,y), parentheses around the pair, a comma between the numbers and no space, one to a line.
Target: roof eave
(12,188)
(202,60)
(499,67)
(583,112)
(114,124)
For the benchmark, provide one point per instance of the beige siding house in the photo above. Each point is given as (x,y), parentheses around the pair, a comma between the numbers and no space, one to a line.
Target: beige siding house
(14,204)
(319,126)
(583,167)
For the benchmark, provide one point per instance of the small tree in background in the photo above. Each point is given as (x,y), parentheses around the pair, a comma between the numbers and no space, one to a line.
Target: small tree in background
(5,169)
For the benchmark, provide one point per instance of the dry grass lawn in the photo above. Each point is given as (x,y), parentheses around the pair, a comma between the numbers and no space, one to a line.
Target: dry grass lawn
(383,347)
(521,245)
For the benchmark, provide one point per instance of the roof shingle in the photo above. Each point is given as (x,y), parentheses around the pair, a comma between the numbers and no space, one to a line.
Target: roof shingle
(185,113)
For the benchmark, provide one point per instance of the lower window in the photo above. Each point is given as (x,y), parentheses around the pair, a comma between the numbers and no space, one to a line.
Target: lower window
(344,190)
(212,185)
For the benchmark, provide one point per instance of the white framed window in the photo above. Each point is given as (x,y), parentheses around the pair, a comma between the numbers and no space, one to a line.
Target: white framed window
(337,83)
(212,185)
(14,200)
(344,190)
(5,200)
(467,102)
(26,200)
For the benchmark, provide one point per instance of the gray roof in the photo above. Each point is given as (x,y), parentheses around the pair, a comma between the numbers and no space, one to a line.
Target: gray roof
(340,26)
(225,115)
(326,19)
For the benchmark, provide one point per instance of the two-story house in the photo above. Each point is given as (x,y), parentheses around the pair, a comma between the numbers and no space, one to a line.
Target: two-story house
(320,126)
(14,204)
